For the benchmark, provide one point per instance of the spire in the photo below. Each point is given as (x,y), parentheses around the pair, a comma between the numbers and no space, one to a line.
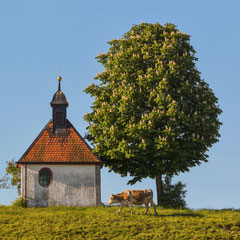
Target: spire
(59,106)
(59,97)
(59,82)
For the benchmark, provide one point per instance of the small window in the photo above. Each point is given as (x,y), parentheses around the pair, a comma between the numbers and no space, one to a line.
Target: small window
(45,177)
(59,118)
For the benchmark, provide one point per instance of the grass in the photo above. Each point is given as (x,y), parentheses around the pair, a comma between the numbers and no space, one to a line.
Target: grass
(103,223)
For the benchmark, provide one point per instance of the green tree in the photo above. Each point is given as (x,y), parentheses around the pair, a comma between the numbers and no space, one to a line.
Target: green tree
(152,113)
(173,194)
(12,177)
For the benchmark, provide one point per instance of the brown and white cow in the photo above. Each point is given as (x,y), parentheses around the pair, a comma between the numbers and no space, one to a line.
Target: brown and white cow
(136,197)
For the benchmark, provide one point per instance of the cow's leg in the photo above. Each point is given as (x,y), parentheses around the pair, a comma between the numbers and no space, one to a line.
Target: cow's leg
(130,206)
(147,207)
(154,206)
(121,206)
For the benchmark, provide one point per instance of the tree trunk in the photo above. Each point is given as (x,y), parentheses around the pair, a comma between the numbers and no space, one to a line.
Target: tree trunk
(159,186)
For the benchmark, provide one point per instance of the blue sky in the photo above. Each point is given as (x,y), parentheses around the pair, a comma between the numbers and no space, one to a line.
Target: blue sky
(38,35)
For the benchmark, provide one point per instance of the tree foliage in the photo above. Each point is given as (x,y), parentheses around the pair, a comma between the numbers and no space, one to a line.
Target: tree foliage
(20,202)
(12,177)
(152,112)
(173,194)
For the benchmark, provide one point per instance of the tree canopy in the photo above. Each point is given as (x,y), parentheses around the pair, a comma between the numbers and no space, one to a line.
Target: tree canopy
(152,112)
(12,177)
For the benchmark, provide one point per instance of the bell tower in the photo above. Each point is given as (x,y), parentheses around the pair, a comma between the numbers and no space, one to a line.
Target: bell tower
(59,106)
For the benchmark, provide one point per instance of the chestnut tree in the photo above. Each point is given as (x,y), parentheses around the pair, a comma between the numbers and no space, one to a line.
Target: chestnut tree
(152,112)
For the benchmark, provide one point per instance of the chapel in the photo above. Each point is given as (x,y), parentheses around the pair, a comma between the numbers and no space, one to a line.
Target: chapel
(59,168)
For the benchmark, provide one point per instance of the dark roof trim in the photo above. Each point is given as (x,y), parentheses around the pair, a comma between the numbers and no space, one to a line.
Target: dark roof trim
(64,163)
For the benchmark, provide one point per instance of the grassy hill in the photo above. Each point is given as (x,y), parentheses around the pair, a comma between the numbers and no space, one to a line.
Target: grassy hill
(103,223)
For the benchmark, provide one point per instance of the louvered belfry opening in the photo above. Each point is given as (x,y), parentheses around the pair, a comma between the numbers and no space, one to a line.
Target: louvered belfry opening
(59,105)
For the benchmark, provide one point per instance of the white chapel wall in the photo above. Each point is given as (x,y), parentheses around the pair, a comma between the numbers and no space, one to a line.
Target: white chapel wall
(72,185)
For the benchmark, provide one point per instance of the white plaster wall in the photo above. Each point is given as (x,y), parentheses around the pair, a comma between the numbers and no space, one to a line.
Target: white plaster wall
(72,185)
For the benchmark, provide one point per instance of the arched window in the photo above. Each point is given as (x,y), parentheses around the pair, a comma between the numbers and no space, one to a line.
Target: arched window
(45,177)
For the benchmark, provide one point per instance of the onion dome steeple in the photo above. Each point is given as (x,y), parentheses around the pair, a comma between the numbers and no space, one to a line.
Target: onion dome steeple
(59,97)
(59,104)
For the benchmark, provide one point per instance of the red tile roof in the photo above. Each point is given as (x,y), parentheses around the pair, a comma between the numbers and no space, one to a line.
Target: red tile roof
(67,148)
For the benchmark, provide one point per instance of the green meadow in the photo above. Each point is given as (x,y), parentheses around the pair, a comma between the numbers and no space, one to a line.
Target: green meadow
(103,223)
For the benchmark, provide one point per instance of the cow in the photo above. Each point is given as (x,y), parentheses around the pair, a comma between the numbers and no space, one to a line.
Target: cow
(136,197)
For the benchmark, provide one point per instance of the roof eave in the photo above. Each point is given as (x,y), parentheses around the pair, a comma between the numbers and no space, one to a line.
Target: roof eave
(65,163)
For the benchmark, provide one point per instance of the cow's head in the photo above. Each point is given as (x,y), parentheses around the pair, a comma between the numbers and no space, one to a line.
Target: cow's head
(112,199)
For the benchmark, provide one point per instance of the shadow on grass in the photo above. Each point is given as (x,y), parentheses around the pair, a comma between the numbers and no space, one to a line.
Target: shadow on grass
(161,215)
(179,215)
